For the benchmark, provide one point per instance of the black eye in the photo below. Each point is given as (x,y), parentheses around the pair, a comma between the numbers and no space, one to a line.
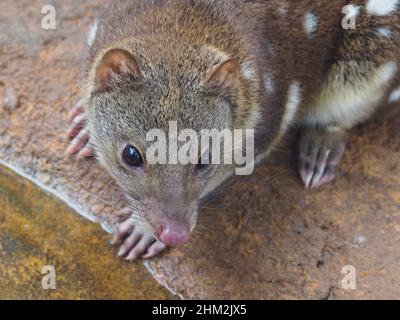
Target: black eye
(132,156)
(204,161)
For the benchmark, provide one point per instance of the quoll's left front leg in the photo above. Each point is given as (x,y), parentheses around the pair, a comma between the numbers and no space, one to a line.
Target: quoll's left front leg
(136,242)
(320,152)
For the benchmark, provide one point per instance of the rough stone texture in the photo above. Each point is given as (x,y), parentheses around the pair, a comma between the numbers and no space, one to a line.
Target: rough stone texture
(265,237)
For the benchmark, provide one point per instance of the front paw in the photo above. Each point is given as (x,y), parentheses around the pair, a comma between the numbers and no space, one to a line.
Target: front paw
(320,152)
(135,241)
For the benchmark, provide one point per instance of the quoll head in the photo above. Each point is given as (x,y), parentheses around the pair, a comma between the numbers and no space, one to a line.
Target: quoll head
(131,95)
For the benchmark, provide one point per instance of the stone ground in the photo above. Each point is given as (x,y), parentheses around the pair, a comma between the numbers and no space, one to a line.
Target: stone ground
(37,230)
(264,238)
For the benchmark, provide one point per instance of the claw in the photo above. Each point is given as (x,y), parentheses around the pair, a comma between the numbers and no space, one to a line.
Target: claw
(78,133)
(135,242)
(79,142)
(320,152)
(76,111)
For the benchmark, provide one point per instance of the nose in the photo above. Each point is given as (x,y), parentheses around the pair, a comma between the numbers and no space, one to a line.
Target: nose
(173,234)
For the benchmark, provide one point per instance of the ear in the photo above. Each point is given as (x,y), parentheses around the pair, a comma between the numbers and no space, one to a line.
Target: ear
(223,77)
(116,63)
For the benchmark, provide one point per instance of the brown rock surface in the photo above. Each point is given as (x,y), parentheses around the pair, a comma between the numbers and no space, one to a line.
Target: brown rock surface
(265,237)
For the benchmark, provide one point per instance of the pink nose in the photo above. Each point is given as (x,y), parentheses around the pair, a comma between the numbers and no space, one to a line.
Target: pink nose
(173,235)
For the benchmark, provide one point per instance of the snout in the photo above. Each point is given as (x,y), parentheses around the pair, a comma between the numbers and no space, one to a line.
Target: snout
(173,234)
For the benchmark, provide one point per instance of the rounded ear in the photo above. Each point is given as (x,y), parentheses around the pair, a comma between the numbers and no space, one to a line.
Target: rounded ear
(115,64)
(223,77)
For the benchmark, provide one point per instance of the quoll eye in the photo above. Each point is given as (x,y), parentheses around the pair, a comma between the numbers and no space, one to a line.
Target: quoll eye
(132,156)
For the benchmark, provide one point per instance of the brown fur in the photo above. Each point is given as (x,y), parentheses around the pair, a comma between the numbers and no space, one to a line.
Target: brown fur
(177,42)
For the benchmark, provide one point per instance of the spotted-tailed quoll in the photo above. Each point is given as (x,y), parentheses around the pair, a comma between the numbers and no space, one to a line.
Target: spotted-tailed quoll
(321,65)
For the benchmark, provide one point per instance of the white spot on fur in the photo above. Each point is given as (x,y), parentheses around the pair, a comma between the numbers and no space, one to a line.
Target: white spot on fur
(395,96)
(292,105)
(254,118)
(291,108)
(92,34)
(381,7)
(352,11)
(249,72)
(388,71)
(310,23)
(351,104)
(268,83)
(384,32)
(334,129)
